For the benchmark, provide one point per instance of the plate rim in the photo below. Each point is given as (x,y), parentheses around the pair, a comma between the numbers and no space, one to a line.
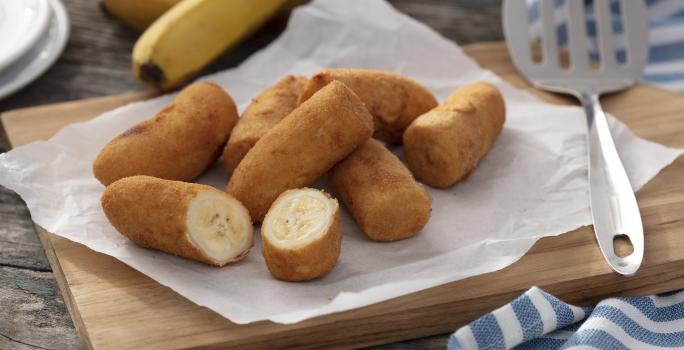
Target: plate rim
(44,17)
(60,18)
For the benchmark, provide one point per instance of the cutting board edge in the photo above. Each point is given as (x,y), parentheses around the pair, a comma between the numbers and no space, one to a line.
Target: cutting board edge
(272,339)
(62,283)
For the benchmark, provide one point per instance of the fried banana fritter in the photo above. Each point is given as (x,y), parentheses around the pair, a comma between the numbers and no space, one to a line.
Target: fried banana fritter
(305,145)
(445,145)
(393,100)
(179,143)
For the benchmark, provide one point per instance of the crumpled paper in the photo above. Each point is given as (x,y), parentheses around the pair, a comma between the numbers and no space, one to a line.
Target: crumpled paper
(532,184)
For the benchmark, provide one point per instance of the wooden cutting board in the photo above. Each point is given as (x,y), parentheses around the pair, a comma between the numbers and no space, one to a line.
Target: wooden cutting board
(116,307)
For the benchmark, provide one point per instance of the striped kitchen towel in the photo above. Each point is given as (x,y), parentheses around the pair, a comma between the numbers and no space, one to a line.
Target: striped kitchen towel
(538,320)
(666,56)
(666,60)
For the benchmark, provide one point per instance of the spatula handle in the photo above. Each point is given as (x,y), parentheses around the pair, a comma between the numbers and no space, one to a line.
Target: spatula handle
(613,206)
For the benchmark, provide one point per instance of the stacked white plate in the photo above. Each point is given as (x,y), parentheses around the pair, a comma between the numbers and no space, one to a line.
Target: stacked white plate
(33,34)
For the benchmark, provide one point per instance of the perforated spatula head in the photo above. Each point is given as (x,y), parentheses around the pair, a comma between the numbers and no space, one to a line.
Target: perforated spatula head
(614,209)
(548,74)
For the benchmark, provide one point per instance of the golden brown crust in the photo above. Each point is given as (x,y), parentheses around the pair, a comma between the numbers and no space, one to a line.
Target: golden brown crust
(381,193)
(179,143)
(265,111)
(302,147)
(152,213)
(393,100)
(445,145)
(311,261)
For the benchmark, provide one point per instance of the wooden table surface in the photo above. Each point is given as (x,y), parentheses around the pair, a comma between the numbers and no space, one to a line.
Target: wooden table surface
(96,62)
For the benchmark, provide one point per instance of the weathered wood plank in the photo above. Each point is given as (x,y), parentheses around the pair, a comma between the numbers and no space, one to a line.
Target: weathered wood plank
(33,313)
(96,61)
(19,245)
(463,21)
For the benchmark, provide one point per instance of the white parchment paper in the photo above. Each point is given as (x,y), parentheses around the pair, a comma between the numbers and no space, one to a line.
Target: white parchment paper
(532,183)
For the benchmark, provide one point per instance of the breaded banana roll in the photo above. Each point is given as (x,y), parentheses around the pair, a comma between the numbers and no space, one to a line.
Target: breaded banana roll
(194,221)
(381,193)
(301,235)
(393,100)
(445,145)
(265,111)
(179,143)
(303,146)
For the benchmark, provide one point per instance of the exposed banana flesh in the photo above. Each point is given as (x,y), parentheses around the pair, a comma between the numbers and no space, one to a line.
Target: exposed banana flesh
(299,217)
(220,226)
(301,235)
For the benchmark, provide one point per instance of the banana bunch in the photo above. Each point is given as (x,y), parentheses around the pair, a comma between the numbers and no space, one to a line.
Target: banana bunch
(193,33)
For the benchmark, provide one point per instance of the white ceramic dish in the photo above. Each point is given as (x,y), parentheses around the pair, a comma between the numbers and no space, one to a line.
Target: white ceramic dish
(22,24)
(40,56)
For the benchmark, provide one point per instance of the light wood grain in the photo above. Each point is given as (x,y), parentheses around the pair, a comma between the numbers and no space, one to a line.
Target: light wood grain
(115,306)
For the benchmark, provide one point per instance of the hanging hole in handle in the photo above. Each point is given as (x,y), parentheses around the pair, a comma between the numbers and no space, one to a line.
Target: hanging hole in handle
(622,246)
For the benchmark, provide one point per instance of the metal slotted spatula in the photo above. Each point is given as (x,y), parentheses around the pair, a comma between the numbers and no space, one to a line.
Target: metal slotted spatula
(613,206)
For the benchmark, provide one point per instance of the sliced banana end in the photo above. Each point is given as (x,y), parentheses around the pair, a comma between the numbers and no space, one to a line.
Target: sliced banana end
(220,227)
(301,235)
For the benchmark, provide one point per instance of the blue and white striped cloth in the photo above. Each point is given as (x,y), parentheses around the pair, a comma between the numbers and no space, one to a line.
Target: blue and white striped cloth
(666,60)
(538,320)
(666,56)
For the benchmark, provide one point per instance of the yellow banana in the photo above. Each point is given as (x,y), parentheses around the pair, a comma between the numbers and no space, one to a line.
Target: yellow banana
(138,14)
(192,34)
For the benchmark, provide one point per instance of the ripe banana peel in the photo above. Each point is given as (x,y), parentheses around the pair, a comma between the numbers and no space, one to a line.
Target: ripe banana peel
(138,14)
(192,34)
